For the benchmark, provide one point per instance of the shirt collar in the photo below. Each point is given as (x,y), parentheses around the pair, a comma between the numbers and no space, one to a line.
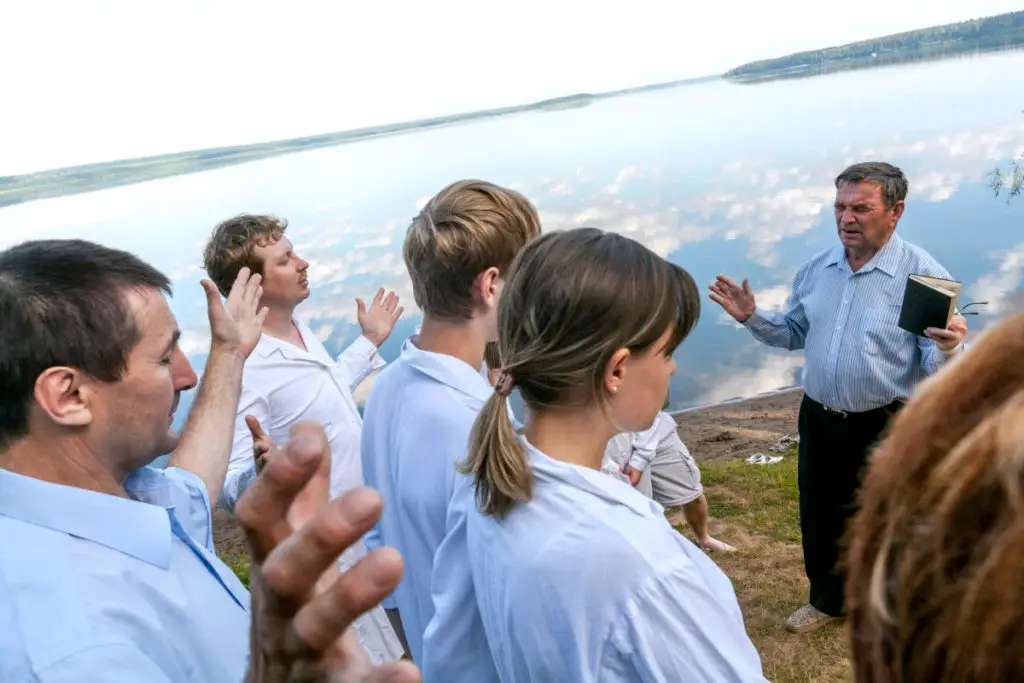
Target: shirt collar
(269,345)
(140,530)
(594,482)
(447,369)
(886,260)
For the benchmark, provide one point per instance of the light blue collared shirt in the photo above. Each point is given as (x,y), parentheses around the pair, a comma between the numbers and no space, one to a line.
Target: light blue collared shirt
(857,356)
(96,588)
(416,427)
(585,582)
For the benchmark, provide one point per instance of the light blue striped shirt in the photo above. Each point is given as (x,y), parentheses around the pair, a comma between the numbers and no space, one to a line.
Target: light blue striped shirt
(857,357)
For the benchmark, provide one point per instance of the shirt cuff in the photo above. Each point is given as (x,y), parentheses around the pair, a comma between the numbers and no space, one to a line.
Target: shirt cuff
(639,463)
(368,350)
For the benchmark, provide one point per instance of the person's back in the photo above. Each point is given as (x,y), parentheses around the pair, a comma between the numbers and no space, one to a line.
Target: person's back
(420,411)
(575,575)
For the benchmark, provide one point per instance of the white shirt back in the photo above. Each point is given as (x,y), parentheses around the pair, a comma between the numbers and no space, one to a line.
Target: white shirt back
(417,423)
(586,582)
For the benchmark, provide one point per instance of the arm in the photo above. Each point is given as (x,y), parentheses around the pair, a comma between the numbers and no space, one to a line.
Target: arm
(674,628)
(787,330)
(235,327)
(206,440)
(359,360)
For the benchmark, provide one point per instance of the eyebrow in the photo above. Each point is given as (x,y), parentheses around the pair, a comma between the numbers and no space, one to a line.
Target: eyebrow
(172,343)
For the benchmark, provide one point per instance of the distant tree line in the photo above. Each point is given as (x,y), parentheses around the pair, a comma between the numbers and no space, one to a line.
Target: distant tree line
(1003,30)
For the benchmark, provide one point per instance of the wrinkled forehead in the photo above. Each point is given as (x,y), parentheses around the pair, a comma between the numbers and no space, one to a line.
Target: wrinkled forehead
(865,191)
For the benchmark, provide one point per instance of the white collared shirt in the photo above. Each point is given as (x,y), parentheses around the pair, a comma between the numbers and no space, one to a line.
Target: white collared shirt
(586,582)
(283,384)
(416,427)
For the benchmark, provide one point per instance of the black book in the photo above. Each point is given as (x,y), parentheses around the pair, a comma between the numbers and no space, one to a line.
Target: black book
(928,302)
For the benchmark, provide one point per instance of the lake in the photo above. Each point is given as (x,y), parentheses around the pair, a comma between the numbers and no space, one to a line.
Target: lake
(718,177)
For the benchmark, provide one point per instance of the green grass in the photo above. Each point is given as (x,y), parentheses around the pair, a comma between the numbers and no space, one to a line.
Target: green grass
(756,509)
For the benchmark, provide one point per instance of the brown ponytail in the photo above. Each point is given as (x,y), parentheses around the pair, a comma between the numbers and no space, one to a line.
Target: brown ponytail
(497,460)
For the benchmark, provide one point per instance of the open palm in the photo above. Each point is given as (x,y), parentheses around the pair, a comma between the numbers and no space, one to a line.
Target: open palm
(737,300)
(237,323)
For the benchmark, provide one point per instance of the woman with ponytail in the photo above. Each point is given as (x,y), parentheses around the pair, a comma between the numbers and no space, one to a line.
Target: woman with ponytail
(577,576)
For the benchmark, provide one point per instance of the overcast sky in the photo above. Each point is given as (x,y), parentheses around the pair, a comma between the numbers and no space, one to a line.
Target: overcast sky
(96,80)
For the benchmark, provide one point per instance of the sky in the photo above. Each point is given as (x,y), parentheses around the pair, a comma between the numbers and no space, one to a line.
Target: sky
(110,79)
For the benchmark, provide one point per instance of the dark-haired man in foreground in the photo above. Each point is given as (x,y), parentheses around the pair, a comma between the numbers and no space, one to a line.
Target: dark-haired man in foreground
(107,569)
(860,365)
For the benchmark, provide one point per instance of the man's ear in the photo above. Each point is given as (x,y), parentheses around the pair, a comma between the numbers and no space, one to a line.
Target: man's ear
(487,288)
(897,210)
(66,396)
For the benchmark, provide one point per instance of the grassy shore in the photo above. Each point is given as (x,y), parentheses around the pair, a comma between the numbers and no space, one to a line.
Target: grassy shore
(754,508)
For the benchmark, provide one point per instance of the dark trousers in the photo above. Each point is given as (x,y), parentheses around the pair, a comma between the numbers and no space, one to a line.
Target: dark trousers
(834,450)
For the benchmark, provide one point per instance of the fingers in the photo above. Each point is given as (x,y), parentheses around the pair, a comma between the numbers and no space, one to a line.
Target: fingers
(746,287)
(398,313)
(212,295)
(938,335)
(237,290)
(253,291)
(729,285)
(263,508)
(390,303)
(322,620)
(377,297)
(295,566)
(360,306)
(717,299)
(255,428)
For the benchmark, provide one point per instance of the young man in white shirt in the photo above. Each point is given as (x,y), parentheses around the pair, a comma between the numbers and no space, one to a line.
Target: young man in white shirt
(422,407)
(290,377)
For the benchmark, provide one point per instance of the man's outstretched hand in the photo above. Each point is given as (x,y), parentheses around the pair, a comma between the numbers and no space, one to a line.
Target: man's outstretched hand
(737,300)
(300,632)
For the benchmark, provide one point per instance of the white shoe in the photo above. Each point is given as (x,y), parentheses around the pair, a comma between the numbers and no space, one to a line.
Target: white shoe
(808,618)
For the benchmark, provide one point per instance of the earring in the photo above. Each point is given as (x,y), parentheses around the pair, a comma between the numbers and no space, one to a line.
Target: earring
(615,389)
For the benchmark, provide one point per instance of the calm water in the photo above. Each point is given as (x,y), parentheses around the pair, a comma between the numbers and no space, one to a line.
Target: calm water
(721,178)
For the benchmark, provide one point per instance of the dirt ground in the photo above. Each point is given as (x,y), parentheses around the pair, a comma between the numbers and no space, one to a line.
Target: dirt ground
(738,430)
(722,432)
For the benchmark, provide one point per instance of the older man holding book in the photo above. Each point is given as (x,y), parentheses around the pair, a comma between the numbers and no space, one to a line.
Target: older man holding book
(861,365)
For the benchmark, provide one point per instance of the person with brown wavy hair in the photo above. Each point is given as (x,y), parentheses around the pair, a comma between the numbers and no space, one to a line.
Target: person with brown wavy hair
(935,586)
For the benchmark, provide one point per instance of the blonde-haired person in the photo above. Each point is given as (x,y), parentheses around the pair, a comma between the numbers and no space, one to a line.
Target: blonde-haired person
(935,585)
(421,409)
(576,575)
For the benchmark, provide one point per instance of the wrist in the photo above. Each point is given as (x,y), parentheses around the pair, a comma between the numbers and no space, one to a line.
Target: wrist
(226,353)
(375,339)
(749,316)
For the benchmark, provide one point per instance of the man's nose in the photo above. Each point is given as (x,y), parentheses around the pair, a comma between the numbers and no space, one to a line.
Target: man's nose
(181,371)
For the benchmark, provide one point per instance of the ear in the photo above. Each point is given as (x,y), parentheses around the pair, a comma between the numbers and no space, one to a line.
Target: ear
(615,370)
(897,211)
(487,288)
(65,395)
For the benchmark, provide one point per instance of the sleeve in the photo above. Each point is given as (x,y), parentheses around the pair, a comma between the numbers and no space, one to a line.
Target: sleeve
(359,360)
(645,444)
(116,663)
(241,468)
(674,628)
(786,330)
(455,646)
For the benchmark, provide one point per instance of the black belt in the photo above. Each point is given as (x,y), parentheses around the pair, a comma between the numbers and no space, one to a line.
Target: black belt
(891,408)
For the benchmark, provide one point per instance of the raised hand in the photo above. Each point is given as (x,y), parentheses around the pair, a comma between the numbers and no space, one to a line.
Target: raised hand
(949,339)
(263,447)
(737,300)
(379,319)
(236,324)
(300,630)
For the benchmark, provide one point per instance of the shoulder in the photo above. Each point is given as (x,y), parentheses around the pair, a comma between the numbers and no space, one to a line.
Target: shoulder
(921,261)
(181,490)
(817,262)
